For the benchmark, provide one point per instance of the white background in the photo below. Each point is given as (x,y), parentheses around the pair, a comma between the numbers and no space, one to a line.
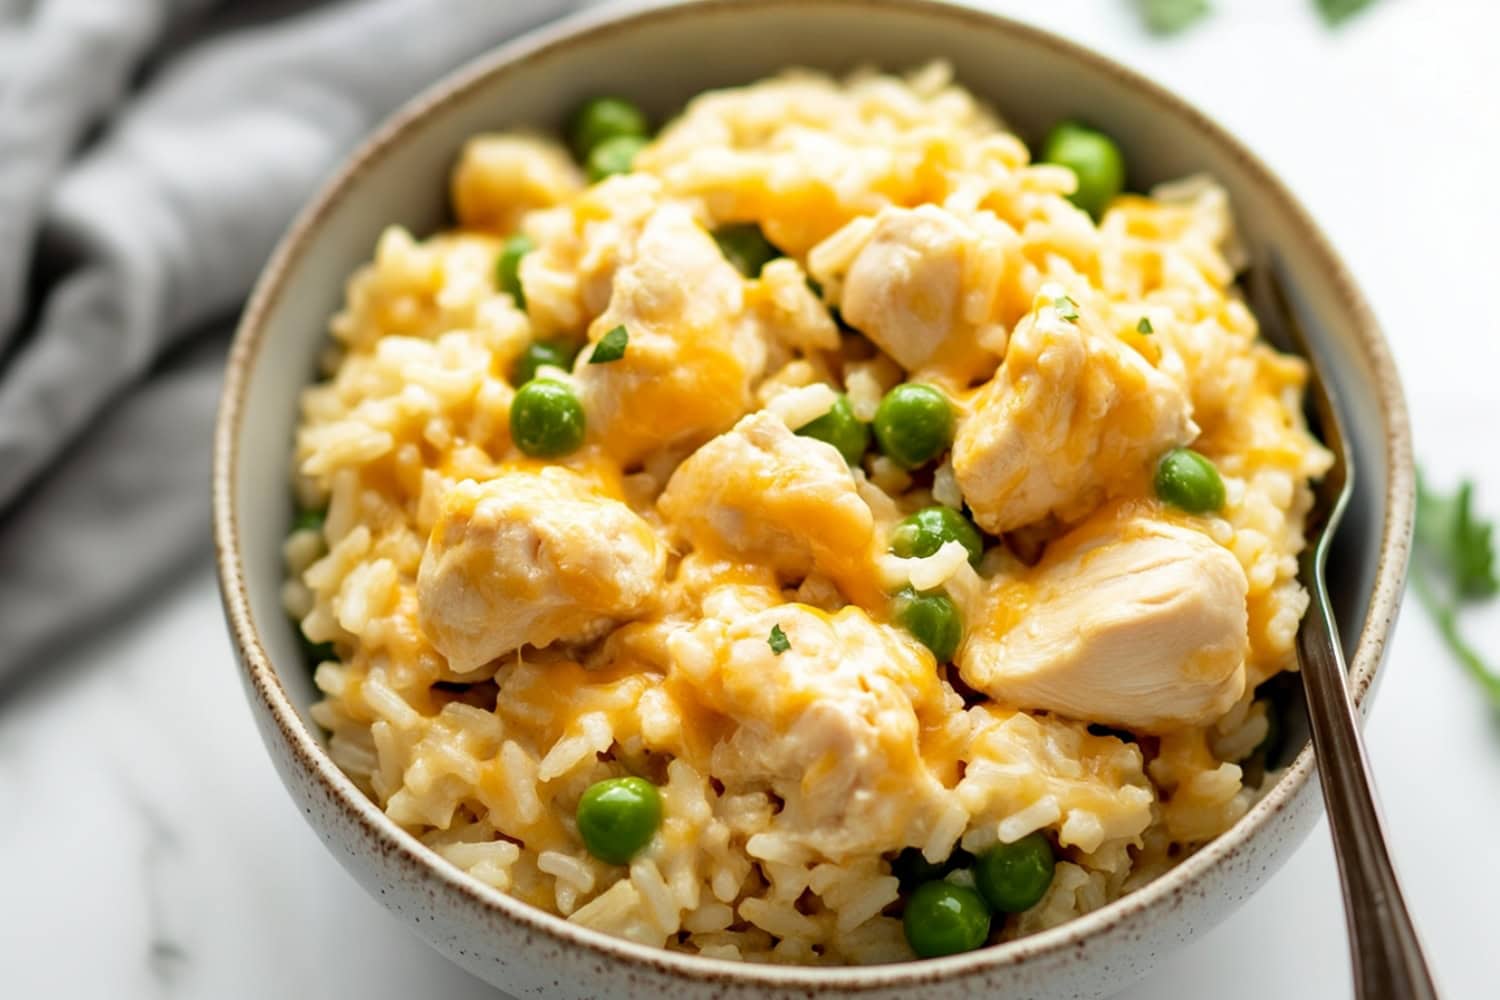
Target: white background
(147,849)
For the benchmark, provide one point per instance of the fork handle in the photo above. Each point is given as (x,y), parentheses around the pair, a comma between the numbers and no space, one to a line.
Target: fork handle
(1388,960)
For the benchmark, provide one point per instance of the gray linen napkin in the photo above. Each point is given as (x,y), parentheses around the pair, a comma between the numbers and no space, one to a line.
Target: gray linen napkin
(151,152)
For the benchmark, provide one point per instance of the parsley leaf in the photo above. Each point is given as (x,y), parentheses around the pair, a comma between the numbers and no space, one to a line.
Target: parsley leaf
(1336,12)
(778,641)
(1457,541)
(1167,17)
(611,346)
(1066,308)
(1446,617)
(1457,548)
(1144,326)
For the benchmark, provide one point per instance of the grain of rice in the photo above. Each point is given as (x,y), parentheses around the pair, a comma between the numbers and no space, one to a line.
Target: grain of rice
(500,852)
(352,757)
(1082,829)
(594,737)
(945,488)
(491,873)
(945,831)
(888,476)
(389,705)
(1043,812)
(657,900)
(775,848)
(566,868)
(610,909)
(725,885)
(879,893)
(520,777)
(300,550)
(933,571)
(708,917)
(782,921)
(802,405)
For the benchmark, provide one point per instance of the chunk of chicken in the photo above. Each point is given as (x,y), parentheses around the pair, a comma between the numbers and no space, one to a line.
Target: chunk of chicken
(904,290)
(499,178)
(793,316)
(831,723)
(569,277)
(1072,417)
(764,494)
(1127,620)
(694,351)
(531,557)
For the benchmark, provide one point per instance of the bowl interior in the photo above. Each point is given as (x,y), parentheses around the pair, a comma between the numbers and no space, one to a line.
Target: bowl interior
(662,60)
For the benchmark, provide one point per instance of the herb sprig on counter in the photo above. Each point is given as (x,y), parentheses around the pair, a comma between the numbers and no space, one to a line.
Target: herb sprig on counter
(1336,12)
(1454,565)
(1168,17)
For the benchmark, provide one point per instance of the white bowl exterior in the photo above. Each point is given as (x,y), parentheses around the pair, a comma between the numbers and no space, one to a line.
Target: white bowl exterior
(661,59)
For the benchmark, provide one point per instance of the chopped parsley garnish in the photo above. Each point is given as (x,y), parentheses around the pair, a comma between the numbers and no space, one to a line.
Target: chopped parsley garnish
(778,641)
(1144,326)
(1454,564)
(611,346)
(1066,308)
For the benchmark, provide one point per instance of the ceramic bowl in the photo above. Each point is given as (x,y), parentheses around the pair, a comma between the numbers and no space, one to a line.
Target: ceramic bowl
(661,55)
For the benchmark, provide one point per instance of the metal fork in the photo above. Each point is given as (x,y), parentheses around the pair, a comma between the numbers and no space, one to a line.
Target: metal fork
(1388,959)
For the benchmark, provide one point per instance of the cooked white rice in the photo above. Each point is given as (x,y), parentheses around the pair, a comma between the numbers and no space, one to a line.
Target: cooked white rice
(486,764)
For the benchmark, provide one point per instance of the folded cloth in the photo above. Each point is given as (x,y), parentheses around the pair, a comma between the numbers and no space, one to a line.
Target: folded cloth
(151,152)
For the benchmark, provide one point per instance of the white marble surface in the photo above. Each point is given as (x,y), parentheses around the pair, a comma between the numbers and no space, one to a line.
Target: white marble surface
(147,849)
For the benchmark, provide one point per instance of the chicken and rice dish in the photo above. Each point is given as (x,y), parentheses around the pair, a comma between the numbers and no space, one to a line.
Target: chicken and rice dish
(819,532)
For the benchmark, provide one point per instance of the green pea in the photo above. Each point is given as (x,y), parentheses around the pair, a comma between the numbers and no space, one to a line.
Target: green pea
(617,817)
(921,534)
(932,619)
(1014,877)
(546,419)
(552,353)
(840,428)
(309,520)
(914,424)
(508,267)
(614,156)
(602,119)
(945,919)
(1187,480)
(1094,159)
(746,247)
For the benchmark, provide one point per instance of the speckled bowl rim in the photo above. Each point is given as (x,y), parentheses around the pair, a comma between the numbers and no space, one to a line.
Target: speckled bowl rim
(388,838)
